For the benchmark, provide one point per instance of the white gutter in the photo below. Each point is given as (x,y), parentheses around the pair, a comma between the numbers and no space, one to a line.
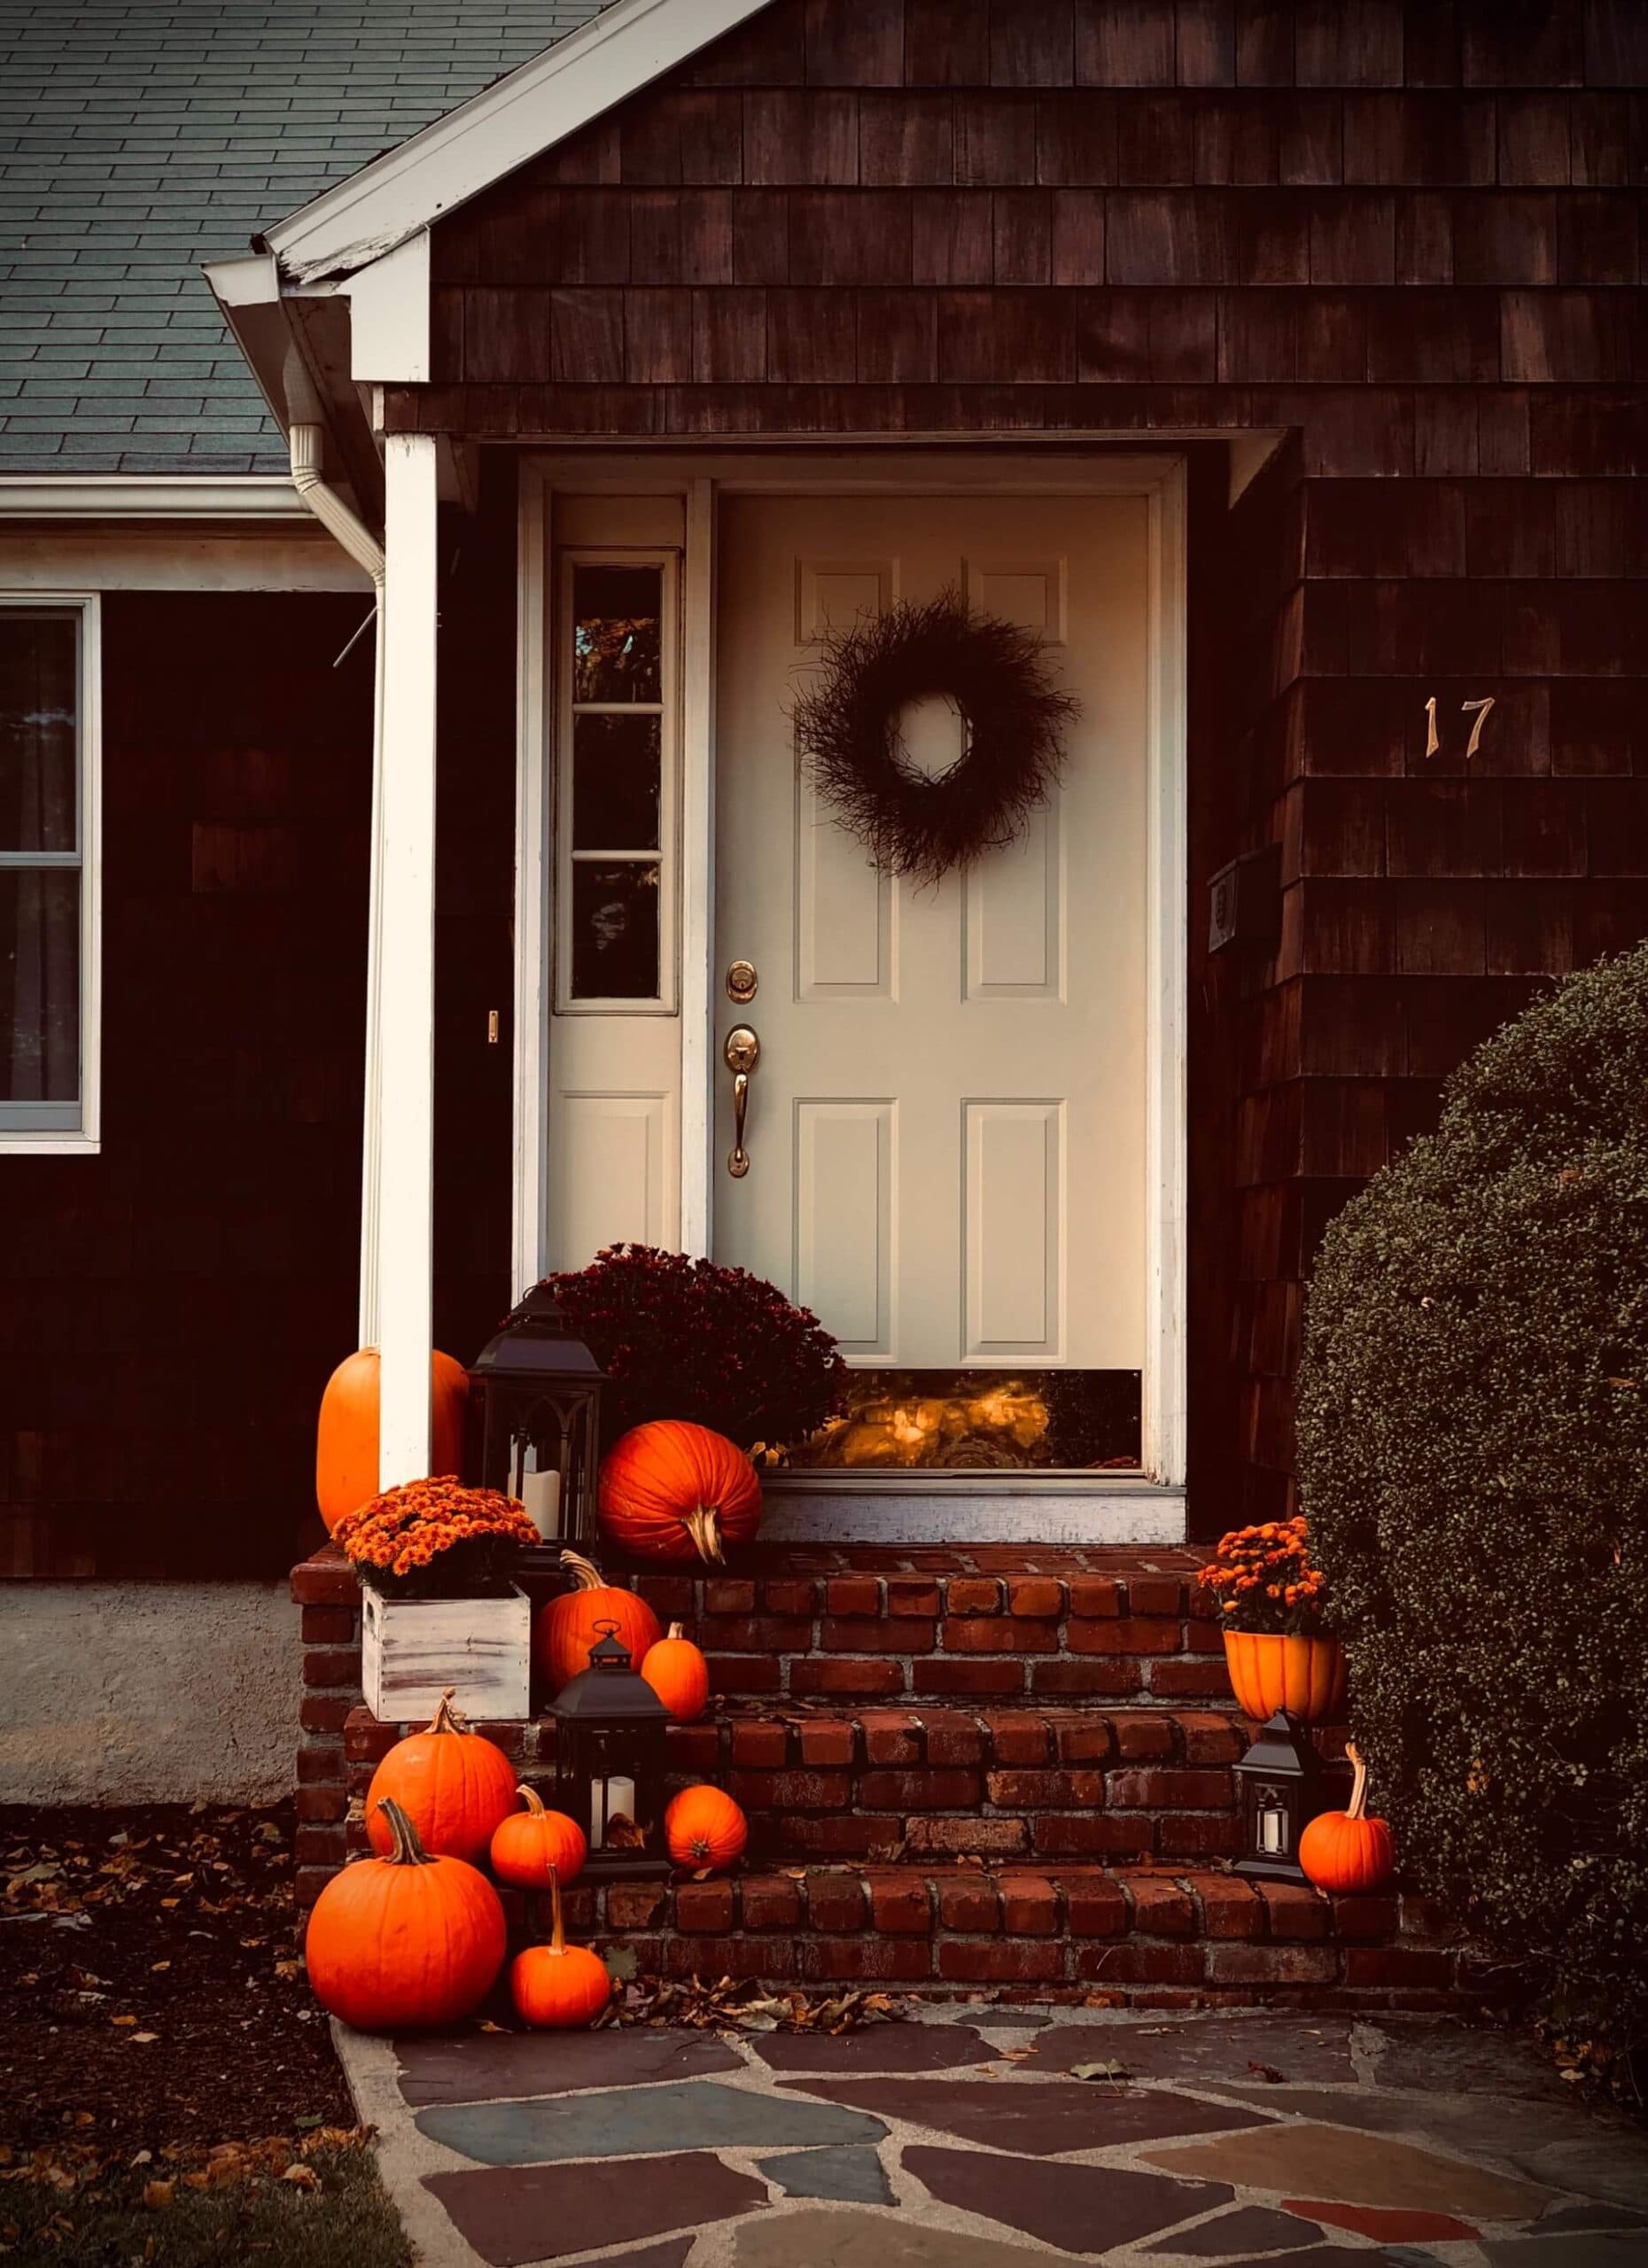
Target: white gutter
(147,496)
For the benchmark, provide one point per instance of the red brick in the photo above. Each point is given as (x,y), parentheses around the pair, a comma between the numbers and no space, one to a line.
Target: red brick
(1202,1638)
(907,1595)
(787,1596)
(826,1740)
(844,1836)
(988,1961)
(1365,1917)
(1046,1790)
(510,1737)
(332,1665)
(309,1883)
(670,1597)
(890,1634)
(313,1845)
(1272,1964)
(998,1634)
(963,1674)
(769,1902)
(1147,1734)
(890,1736)
(316,1804)
(791,1791)
(1230,1908)
(853,1595)
(1198,1835)
(1399,1968)
(722,1595)
(1295,1911)
(1082,1835)
(359,1781)
(325,1579)
(1209,1739)
(1113,1676)
(834,1901)
(743,1673)
(1129,1634)
(365,1740)
(635,1905)
(692,1748)
(969,1837)
(1188,1679)
(1039,1597)
(837,1677)
(1018,1739)
(1154,1595)
(1132,1963)
(773,1960)
(754,1634)
(1428,1918)
(1161,1908)
(1170,1791)
(760,1743)
(972,1906)
(1094,1595)
(702,1906)
(324,1713)
(1029,1906)
(329,1625)
(316,1764)
(972,1594)
(864,1960)
(950,1789)
(953,1736)
(1093,1907)
(1084,1740)
(900,1905)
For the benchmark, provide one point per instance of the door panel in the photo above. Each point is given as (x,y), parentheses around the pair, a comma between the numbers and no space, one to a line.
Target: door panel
(946,1127)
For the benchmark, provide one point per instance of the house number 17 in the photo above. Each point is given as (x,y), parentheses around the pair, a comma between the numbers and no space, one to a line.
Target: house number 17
(1478,708)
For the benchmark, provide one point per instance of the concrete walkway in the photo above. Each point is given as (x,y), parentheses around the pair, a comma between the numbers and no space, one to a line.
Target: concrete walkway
(992,2137)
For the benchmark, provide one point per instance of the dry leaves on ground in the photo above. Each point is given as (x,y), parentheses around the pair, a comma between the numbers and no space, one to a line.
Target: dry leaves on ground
(747,2006)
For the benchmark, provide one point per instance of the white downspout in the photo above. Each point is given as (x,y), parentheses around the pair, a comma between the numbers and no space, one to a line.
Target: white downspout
(362,547)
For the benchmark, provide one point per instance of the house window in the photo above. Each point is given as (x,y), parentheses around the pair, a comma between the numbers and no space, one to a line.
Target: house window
(615,804)
(49,811)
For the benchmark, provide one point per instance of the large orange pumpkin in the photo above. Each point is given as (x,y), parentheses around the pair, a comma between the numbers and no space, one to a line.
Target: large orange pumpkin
(558,1986)
(568,1627)
(678,1674)
(400,1942)
(1346,1850)
(532,1845)
(705,1829)
(346,1445)
(453,1784)
(675,1492)
(1269,1672)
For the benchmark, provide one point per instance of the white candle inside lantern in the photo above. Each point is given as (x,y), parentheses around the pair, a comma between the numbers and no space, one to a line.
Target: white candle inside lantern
(609,1800)
(1273,1832)
(541,1493)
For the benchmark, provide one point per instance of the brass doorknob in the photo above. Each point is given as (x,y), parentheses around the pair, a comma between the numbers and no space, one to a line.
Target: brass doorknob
(741,1052)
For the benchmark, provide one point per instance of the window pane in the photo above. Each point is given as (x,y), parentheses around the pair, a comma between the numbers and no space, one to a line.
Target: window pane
(38,665)
(616,633)
(615,931)
(39,985)
(615,782)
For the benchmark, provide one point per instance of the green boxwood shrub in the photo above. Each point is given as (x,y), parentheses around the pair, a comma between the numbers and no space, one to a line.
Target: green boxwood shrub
(1474,1457)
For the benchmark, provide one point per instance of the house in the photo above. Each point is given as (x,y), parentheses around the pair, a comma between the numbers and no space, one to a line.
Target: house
(377,922)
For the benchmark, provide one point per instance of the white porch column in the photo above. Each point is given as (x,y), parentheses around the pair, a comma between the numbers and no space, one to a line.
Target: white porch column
(403,965)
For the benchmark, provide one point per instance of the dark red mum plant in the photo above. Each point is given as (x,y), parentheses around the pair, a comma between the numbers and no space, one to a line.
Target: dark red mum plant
(682,1337)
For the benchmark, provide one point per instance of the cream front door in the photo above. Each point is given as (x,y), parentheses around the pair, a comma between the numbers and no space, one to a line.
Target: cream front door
(946,1125)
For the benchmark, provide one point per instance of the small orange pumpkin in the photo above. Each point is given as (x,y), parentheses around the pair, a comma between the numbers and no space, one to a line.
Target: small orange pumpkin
(678,1674)
(670,1490)
(345,1443)
(404,1941)
(704,1829)
(568,1627)
(558,1986)
(1346,1850)
(532,1845)
(453,1784)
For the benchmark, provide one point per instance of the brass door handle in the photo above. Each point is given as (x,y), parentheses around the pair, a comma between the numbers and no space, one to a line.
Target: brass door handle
(741,1053)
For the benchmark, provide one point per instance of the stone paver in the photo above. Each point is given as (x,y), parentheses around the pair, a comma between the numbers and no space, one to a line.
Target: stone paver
(962,2139)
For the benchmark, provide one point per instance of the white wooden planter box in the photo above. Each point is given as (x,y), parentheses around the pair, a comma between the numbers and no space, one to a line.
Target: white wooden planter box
(413,1649)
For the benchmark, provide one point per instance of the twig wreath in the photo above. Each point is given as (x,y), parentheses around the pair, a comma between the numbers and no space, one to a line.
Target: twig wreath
(1013,724)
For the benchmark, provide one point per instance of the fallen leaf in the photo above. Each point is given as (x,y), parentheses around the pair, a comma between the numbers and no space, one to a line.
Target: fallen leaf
(1117,2072)
(122,2019)
(159,1968)
(157,2194)
(301,2177)
(145,2039)
(1268,2073)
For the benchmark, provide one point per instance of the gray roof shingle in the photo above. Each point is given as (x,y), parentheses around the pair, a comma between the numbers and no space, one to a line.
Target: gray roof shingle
(141,138)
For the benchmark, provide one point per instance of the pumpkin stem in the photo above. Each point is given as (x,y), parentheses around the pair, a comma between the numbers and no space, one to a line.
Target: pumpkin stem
(405,1849)
(584,1573)
(1359,1803)
(557,1926)
(531,1797)
(676,1630)
(700,1524)
(447,1719)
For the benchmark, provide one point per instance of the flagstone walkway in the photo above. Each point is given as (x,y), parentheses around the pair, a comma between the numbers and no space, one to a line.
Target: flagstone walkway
(995,2137)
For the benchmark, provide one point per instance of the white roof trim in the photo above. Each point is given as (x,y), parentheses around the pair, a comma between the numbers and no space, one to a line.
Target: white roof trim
(149,496)
(625,48)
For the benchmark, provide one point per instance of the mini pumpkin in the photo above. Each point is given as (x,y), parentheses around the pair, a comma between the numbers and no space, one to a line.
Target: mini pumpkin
(345,1442)
(532,1845)
(405,1941)
(673,1491)
(1346,1850)
(678,1674)
(569,1626)
(558,1986)
(704,1829)
(454,1786)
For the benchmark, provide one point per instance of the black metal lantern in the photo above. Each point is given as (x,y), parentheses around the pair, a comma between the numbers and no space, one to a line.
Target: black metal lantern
(608,1763)
(538,1391)
(1280,1779)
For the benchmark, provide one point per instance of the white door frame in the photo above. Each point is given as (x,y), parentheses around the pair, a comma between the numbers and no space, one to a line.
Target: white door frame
(701,478)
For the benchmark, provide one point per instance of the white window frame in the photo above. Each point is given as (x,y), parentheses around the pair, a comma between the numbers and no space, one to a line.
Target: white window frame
(17,1139)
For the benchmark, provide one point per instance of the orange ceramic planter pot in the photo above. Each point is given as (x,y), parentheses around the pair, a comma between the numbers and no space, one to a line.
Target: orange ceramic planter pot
(1269,1673)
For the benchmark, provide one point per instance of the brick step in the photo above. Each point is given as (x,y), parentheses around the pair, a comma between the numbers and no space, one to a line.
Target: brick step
(1152,1936)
